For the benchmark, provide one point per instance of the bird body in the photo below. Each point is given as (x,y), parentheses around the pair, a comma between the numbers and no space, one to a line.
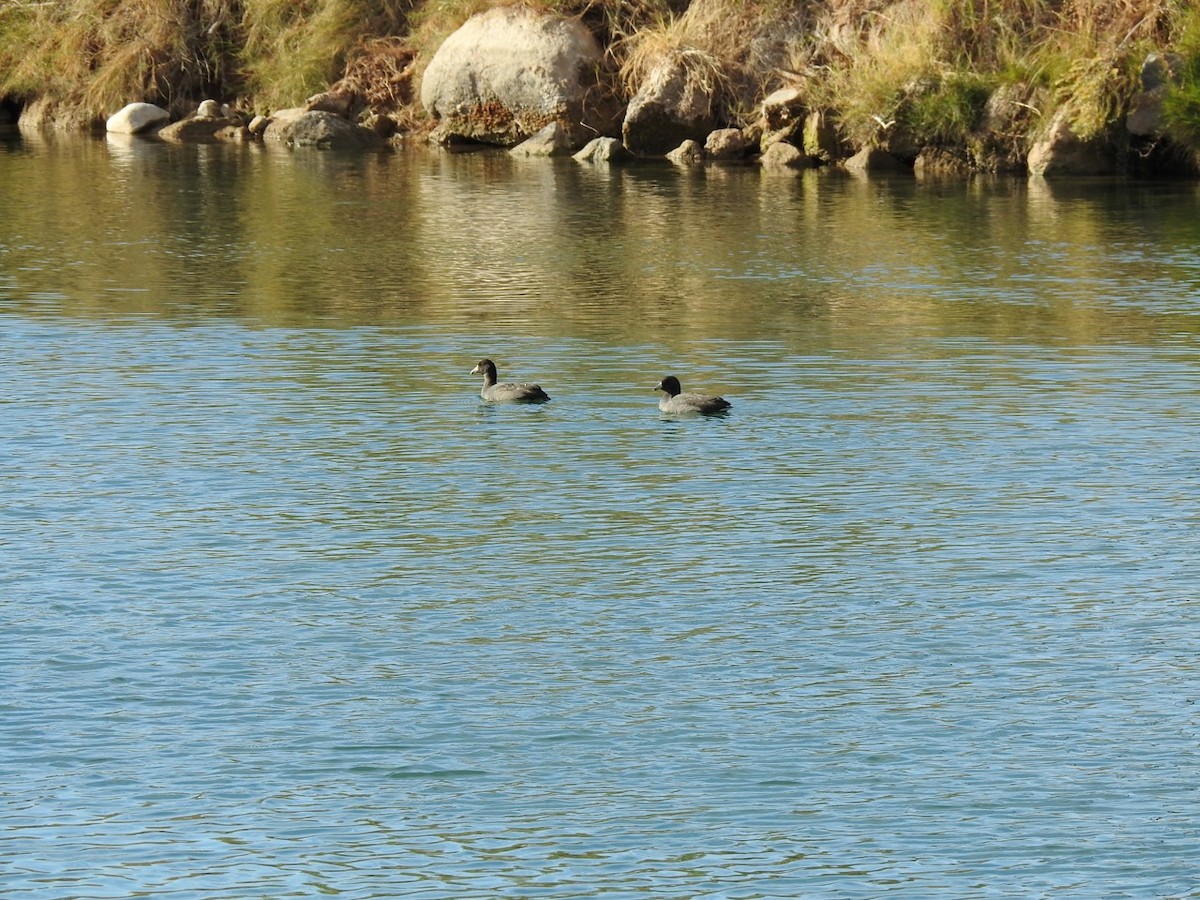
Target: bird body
(675,402)
(506,392)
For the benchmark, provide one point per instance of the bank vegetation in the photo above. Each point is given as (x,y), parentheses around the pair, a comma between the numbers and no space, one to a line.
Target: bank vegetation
(927,68)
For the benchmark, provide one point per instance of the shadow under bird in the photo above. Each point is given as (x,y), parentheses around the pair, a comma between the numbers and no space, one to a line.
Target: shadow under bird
(676,402)
(506,392)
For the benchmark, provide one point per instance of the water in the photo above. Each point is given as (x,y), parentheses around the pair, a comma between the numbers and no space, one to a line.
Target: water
(288,612)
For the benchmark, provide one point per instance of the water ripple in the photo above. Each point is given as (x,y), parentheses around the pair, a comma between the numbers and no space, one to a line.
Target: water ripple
(288,611)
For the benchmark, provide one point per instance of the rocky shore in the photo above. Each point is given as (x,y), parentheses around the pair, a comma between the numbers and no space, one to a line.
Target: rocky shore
(536,82)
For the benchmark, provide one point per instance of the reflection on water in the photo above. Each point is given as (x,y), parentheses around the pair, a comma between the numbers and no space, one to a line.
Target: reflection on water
(270,234)
(287,610)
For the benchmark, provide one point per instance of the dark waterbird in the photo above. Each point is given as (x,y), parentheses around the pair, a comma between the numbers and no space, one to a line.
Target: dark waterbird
(676,402)
(506,392)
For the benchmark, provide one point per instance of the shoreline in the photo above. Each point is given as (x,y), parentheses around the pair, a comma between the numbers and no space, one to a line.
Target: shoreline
(869,85)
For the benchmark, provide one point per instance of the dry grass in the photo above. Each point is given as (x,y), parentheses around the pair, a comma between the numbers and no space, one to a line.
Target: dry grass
(380,70)
(290,50)
(1181,106)
(434,21)
(879,62)
(640,52)
(1091,55)
(736,49)
(869,67)
(99,55)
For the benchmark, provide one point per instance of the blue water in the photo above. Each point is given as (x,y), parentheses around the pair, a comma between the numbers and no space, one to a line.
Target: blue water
(289,612)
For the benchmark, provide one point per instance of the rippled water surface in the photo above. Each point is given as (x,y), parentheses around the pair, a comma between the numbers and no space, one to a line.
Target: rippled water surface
(288,612)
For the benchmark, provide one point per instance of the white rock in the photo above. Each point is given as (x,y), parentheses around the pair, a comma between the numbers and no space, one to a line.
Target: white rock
(136,118)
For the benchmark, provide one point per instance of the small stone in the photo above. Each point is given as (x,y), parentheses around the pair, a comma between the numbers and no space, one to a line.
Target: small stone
(689,153)
(552,140)
(727,143)
(602,150)
(781,155)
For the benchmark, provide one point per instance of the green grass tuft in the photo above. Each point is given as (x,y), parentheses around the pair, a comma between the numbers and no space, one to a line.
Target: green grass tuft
(1181,103)
(948,110)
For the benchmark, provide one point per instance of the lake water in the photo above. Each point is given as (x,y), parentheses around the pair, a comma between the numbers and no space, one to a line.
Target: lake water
(287,611)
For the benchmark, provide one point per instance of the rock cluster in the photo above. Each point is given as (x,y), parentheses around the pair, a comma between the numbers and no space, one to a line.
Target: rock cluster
(326,121)
(510,73)
(537,82)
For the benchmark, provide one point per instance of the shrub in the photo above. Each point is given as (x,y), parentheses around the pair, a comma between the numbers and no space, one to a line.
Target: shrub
(290,50)
(98,55)
(1181,104)
(948,110)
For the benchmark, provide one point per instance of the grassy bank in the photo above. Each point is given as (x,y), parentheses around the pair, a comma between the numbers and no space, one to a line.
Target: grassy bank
(929,67)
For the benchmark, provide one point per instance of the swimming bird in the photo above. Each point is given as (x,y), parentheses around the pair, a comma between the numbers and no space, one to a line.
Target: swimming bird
(675,401)
(507,392)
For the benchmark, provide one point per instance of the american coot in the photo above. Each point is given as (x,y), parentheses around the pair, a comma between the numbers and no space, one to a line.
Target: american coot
(507,392)
(677,402)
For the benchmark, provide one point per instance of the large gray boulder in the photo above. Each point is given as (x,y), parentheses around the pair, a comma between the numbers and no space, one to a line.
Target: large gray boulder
(302,127)
(511,71)
(675,103)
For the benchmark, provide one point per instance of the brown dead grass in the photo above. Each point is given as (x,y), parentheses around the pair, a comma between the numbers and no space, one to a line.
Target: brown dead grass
(380,70)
